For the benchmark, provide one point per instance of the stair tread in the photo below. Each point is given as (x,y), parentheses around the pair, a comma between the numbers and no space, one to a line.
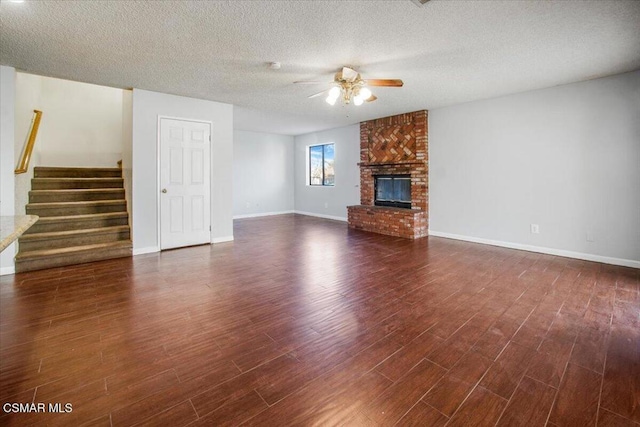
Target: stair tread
(62,218)
(61,168)
(82,203)
(61,172)
(79,190)
(70,233)
(73,179)
(42,253)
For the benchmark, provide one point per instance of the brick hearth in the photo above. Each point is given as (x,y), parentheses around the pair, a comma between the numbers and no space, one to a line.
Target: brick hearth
(396,145)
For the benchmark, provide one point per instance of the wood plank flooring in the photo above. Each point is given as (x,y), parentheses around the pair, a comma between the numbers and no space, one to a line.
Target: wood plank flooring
(301,321)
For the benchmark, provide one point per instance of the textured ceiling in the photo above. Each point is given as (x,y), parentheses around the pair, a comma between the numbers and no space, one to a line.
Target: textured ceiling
(447,52)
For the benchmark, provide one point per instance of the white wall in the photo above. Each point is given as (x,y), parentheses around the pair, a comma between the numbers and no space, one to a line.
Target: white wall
(127,147)
(329,202)
(81,123)
(81,126)
(262,174)
(566,158)
(7,108)
(147,107)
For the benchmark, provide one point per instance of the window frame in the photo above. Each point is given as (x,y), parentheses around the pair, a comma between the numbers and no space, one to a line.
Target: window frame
(322,163)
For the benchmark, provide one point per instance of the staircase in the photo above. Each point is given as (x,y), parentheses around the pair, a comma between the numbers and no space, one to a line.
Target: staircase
(83,218)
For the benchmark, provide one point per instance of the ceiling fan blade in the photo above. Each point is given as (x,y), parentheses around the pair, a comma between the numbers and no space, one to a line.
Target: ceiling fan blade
(385,82)
(349,74)
(318,94)
(310,82)
(371,98)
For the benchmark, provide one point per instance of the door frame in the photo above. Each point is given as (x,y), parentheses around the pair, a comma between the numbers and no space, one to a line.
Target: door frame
(158,168)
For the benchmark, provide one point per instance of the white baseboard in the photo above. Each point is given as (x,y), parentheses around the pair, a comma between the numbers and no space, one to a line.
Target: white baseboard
(542,250)
(147,250)
(222,239)
(336,218)
(5,271)
(256,215)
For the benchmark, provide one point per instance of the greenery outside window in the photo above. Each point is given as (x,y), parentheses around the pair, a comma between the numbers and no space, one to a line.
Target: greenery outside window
(321,165)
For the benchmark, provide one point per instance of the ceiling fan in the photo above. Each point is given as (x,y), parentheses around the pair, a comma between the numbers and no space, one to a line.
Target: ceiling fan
(349,84)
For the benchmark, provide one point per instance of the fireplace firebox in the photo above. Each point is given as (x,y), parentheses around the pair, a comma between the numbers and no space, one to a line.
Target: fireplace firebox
(393,190)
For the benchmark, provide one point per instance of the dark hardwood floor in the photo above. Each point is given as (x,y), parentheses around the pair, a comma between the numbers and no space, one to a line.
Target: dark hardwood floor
(301,321)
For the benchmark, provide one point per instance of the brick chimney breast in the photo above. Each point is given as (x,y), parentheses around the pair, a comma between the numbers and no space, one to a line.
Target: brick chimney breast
(396,145)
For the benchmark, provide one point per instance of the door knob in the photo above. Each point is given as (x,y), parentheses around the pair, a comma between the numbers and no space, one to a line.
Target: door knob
(164,190)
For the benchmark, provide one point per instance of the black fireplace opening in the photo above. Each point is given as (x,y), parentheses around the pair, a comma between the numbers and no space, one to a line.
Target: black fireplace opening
(393,190)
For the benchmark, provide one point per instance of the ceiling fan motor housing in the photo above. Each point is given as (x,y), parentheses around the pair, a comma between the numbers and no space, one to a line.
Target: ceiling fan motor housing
(349,85)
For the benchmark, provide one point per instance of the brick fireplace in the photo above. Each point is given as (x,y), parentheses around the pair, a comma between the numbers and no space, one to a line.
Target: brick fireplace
(393,146)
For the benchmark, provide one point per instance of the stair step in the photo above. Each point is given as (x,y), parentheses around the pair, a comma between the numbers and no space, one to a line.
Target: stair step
(71,183)
(49,258)
(76,208)
(59,172)
(83,218)
(78,222)
(62,239)
(75,195)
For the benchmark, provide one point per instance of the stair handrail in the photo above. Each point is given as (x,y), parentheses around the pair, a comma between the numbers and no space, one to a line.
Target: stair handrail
(23,166)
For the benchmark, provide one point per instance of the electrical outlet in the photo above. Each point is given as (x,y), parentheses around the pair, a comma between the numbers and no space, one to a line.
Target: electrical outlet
(590,236)
(535,229)
(326,205)
(248,204)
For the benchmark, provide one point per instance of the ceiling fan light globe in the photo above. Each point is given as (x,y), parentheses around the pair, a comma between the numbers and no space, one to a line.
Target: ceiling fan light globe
(334,92)
(357,100)
(365,93)
(331,100)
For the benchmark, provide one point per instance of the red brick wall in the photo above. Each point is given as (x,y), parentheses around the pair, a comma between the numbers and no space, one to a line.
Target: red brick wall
(395,139)
(396,145)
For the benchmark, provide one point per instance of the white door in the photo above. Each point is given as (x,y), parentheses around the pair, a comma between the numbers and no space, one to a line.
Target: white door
(184,183)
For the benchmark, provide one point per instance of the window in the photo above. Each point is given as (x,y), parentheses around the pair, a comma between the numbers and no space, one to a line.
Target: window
(321,160)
